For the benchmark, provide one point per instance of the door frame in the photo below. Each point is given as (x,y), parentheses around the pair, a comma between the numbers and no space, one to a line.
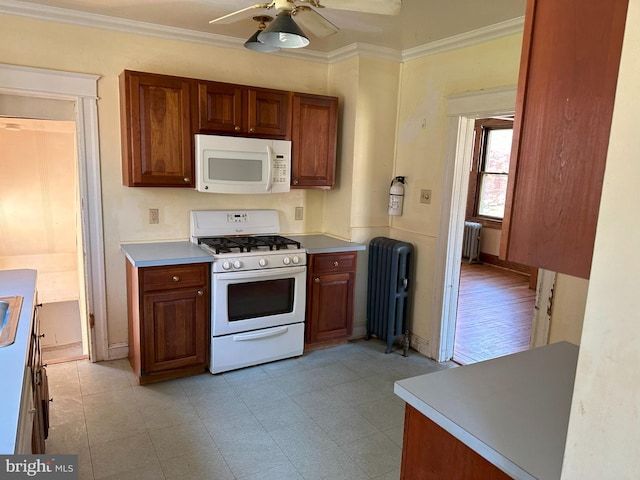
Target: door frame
(462,111)
(80,88)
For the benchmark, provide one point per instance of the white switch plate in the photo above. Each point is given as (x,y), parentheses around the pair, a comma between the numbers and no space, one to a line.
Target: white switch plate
(299,213)
(425,196)
(154,215)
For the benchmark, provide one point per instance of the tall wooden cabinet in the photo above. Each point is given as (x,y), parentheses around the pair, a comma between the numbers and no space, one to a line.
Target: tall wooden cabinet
(330,293)
(566,88)
(169,310)
(314,141)
(157,143)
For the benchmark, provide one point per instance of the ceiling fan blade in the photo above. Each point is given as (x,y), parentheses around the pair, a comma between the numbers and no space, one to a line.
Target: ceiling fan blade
(240,14)
(382,7)
(315,23)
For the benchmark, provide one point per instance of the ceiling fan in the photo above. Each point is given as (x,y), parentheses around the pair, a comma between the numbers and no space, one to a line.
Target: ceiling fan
(283,31)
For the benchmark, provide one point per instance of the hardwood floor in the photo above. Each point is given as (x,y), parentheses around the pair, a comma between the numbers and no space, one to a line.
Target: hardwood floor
(495,307)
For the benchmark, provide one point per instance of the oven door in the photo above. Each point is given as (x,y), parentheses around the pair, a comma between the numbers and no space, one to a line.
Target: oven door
(245,301)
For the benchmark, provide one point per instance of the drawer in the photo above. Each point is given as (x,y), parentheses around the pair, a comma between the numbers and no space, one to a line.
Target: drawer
(333,262)
(175,276)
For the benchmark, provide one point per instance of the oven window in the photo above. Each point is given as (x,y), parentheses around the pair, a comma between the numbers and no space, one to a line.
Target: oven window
(260,299)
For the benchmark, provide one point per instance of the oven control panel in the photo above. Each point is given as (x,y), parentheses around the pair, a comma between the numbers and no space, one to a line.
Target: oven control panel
(258,261)
(237,218)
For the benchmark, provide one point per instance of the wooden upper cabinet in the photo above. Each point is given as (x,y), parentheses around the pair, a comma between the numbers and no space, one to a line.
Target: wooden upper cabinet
(230,109)
(566,88)
(157,143)
(314,135)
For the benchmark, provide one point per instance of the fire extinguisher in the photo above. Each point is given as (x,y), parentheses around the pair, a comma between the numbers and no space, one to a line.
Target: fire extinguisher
(396,196)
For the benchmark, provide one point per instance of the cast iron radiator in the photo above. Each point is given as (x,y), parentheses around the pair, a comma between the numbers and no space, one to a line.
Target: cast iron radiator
(390,265)
(471,241)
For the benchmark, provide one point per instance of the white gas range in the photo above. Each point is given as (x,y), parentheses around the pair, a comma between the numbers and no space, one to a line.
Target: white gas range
(258,289)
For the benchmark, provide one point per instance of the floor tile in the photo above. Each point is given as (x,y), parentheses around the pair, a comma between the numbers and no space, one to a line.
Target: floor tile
(330,464)
(302,439)
(279,414)
(375,455)
(345,426)
(252,455)
(383,413)
(178,440)
(123,455)
(205,466)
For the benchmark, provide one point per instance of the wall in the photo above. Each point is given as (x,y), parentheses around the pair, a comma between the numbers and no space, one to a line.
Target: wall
(125,210)
(420,150)
(603,435)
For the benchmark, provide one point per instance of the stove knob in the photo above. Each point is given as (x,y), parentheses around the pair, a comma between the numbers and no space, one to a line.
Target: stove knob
(226,265)
(262,262)
(295,260)
(237,264)
(286,260)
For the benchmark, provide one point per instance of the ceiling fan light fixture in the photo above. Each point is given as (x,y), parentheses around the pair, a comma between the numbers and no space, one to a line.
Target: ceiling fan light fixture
(283,32)
(256,45)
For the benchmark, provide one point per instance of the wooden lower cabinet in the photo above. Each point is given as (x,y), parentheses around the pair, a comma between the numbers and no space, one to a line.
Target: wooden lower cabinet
(169,311)
(431,453)
(330,292)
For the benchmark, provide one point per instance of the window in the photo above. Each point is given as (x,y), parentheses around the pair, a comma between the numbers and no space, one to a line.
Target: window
(490,169)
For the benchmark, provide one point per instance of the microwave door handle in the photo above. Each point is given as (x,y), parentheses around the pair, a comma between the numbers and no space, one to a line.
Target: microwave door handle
(270,164)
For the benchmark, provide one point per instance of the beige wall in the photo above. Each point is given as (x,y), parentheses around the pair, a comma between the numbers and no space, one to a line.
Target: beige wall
(603,436)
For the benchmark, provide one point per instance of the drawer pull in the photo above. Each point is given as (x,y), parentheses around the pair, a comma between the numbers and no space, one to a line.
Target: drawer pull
(186,179)
(237,128)
(295,182)
(176,278)
(200,293)
(252,130)
(317,280)
(336,264)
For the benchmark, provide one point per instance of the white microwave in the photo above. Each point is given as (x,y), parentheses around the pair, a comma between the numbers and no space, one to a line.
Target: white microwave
(242,165)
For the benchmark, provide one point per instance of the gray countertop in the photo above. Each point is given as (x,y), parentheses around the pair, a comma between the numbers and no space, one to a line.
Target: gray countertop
(164,253)
(14,357)
(513,410)
(318,243)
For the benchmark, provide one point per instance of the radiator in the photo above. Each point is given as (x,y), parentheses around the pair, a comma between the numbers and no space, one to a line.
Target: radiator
(388,285)
(471,241)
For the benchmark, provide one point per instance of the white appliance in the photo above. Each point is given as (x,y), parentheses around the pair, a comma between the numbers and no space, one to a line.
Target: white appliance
(258,291)
(242,165)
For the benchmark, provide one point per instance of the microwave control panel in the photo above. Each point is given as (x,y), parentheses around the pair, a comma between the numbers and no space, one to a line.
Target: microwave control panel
(279,172)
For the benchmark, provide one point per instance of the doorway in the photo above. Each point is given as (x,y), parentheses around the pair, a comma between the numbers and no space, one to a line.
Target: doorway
(27,92)
(41,216)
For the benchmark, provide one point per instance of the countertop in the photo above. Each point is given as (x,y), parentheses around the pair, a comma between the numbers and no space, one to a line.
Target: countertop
(318,243)
(13,358)
(164,253)
(513,410)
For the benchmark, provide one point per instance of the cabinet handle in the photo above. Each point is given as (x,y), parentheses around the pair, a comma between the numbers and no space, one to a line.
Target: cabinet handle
(237,128)
(200,293)
(252,130)
(186,179)
(317,280)
(295,182)
(176,278)
(336,264)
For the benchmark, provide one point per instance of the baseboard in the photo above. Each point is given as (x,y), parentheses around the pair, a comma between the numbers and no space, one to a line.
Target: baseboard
(496,261)
(420,344)
(118,350)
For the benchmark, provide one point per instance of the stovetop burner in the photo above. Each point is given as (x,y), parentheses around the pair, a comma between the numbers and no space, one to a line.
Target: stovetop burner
(247,244)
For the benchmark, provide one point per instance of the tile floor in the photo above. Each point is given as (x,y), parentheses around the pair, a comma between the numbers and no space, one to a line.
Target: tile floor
(329,414)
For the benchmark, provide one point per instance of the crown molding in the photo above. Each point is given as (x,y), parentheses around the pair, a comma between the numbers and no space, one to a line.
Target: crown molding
(92,20)
(468,39)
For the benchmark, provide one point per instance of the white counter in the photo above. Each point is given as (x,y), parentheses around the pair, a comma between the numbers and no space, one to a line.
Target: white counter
(13,358)
(164,253)
(319,243)
(513,410)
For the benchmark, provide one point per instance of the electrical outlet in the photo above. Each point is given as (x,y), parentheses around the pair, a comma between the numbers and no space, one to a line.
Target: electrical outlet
(299,213)
(425,196)
(154,215)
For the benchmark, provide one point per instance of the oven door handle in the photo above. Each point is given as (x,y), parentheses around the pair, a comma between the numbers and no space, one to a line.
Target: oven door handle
(272,332)
(260,274)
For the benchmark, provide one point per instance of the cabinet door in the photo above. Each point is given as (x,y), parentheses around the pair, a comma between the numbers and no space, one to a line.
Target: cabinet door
(157,145)
(268,113)
(330,291)
(314,134)
(563,116)
(220,108)
(174,330)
